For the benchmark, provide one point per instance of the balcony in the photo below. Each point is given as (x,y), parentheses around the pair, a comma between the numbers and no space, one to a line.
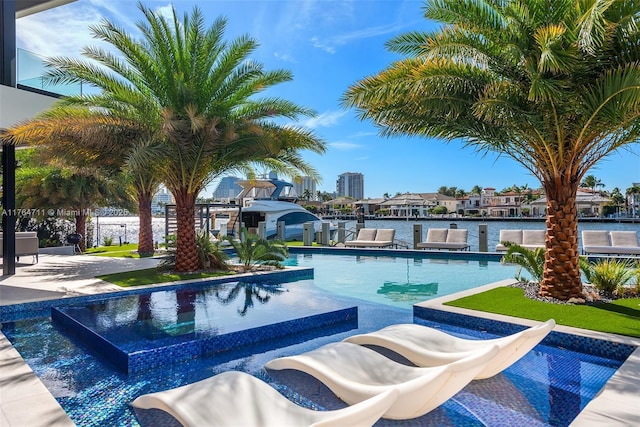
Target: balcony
(31,69)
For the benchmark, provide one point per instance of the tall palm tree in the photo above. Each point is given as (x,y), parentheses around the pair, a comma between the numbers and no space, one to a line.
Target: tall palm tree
(553,84)
(197,94)
(590,181)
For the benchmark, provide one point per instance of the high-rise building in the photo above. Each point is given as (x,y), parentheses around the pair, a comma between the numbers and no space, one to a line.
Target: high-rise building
(227,188)
(350,184)
(160,199)
(305,183)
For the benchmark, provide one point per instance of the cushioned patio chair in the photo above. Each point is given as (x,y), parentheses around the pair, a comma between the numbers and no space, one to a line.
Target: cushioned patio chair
(533,239)
(426,346)
(373,238)
(625,242)
(596,242)
(366,236)
(356,373)
(511,236)
(445,238)
(238,399)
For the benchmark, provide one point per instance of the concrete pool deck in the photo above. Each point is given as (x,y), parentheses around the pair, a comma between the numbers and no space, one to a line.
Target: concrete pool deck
(25,401)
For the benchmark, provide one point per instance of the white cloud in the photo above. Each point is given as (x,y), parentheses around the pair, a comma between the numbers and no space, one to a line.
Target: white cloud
(324,120)
(285,57)
(344,146)
(326,46)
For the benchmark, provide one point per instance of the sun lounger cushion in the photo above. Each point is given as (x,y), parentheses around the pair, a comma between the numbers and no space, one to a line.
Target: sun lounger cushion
(513,236)
(373,238)
(596,241)
(625,242)
(532,239)
(239,399)
(355,373)
(426,346)
(445,238)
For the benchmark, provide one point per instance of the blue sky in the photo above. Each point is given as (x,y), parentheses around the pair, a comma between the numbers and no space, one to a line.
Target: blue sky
(328,45)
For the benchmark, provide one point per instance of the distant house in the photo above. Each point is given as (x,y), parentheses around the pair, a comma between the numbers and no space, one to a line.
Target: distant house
(405,205)
(437,199)
(339,206)
(369,206)
(589,203)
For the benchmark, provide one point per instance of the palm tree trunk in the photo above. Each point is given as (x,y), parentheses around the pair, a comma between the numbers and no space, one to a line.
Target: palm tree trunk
(81,223)
(186,250)
(145,234)
(561,275)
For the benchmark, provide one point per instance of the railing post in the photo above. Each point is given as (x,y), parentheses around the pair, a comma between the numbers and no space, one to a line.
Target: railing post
(417,235)
(326,233)
(280,230)
(307,234)
(262,229)
(483,246)
(341,231)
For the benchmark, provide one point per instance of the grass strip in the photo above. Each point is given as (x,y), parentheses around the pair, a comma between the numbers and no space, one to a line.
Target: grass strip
(151,276)
(618,317)
(124,251)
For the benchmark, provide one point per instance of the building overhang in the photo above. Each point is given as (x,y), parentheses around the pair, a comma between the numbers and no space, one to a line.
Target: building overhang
(29,7)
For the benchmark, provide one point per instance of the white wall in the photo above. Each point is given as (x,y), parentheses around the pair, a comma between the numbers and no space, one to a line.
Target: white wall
(18,105)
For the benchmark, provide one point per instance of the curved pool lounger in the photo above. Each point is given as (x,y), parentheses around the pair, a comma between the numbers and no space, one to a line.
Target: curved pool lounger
(425,346)
(355,373)
(239,399)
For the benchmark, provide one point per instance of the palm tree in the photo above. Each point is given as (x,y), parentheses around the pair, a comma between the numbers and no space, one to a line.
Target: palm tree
(590,181)
(197,95)
(74,192)
(553,84)
(477,189)
(80,135)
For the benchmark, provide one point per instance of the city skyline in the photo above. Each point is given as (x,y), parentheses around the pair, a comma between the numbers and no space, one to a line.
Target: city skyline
(328,46)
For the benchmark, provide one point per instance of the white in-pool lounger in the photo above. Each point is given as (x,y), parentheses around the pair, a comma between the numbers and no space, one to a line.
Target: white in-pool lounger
(238,399)
(356,373)
(426,346)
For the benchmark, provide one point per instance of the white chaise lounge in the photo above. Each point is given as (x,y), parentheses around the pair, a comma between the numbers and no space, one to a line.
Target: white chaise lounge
(356,373)
(452,239)
(238,399)
(373,238)
(529,239)
(610,243)
(426,346)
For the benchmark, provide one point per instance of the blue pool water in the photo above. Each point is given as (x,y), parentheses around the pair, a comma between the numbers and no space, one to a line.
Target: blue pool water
(399,281)
(549,386)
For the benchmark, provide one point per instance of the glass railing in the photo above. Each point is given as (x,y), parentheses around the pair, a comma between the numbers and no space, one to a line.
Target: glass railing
(31,69)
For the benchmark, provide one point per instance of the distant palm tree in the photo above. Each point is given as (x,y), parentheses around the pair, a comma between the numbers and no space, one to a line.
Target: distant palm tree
(553,84)
(590,181)
(80,135)
(197,93)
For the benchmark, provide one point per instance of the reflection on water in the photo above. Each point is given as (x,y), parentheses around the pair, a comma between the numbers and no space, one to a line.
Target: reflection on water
(261,292)
(408,291)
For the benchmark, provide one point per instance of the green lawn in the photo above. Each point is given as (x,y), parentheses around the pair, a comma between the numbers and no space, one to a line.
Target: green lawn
(124,251)
(619,317)
(152,276)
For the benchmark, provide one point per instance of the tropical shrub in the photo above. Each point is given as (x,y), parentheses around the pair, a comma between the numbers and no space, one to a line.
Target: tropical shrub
(210,253)
(107,240)
(608,275)
(531,260)
(253,250)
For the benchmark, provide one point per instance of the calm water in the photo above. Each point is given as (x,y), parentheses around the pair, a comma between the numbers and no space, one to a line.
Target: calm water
(115,227)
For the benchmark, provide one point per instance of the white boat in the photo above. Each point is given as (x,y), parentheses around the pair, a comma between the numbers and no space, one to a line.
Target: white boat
(272,201)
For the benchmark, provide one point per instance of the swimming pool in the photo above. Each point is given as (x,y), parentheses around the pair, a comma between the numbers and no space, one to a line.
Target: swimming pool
(547,387)
(400,281)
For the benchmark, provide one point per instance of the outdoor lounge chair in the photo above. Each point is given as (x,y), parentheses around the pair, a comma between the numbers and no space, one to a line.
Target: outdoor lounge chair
(426,346)
(596,241)
(238,399)
(373,238)
(625,242)
(445,238)
(533,239)
(355,373)
(511,236)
